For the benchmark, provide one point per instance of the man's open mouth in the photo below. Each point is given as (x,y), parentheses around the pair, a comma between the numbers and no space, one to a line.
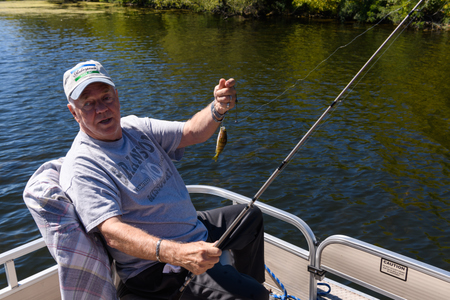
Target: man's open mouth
(106,121)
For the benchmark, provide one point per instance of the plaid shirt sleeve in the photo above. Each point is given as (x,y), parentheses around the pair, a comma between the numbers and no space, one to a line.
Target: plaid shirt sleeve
(83,263)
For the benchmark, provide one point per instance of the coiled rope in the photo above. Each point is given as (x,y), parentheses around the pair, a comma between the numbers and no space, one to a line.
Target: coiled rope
(285,295)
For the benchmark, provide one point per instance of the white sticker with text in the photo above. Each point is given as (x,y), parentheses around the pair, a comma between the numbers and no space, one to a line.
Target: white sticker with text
(394,269)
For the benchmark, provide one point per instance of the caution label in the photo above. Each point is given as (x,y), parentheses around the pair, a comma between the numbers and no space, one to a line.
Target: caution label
(394,269)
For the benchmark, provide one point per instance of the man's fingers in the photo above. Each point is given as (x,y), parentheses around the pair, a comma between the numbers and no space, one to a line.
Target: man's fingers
(213,251)
(222,83)
(206,257)
(230,83)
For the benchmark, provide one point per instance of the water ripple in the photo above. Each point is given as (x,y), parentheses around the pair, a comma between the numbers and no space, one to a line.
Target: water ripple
(377,170)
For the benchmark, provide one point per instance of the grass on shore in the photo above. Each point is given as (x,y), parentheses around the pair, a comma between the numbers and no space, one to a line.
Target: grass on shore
(38,7)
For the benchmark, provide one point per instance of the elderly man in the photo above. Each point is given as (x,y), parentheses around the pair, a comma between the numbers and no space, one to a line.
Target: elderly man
(120,176)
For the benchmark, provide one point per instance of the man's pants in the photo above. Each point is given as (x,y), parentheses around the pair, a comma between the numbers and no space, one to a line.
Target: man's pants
(224,282)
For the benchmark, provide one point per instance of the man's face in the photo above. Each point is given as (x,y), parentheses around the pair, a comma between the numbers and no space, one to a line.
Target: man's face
(97,110)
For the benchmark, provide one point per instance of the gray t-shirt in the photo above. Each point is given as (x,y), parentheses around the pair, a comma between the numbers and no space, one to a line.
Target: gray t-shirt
(134,178)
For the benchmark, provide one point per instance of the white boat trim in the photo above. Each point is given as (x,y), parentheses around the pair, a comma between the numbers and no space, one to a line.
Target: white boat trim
(400,278)
(7,259)
(26,288)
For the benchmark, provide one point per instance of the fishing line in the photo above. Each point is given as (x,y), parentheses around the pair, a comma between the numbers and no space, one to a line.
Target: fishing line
(318,65)
(356,84)
(177,295)
(361,78)
(381,55)
(440,8)
(370,68)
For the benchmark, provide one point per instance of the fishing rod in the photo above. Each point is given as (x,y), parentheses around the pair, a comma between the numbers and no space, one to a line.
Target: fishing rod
(286,161)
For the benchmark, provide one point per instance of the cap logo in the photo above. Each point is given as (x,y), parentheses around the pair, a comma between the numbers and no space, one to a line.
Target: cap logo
(84,70)
(75,80)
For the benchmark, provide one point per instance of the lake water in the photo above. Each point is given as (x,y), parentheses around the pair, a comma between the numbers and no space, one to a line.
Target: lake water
(377,170)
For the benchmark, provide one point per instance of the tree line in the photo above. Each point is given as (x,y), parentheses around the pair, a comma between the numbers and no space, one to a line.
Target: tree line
(432,13)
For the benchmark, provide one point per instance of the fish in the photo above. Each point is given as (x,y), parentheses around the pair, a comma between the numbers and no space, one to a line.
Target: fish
(221,141)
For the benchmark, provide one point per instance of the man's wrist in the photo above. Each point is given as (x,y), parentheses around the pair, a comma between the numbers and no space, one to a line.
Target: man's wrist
(216,115)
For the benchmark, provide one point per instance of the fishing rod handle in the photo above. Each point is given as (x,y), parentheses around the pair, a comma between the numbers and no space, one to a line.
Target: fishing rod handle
(218,244)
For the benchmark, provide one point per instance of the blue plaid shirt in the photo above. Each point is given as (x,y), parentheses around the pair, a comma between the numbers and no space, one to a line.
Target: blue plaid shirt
(83,264)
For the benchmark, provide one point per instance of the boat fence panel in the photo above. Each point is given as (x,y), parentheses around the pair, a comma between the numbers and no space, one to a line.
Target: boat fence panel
(43,285)
(290,265)
(386,272)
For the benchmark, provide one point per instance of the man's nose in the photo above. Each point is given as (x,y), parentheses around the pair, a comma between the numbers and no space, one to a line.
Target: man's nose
(101,107)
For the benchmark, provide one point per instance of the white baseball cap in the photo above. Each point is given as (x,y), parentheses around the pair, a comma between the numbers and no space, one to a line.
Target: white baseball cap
(79,77)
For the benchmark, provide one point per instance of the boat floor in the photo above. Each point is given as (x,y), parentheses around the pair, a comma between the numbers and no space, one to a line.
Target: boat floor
(337,291)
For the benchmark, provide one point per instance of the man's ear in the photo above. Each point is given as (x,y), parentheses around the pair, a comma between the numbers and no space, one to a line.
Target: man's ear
(74,113)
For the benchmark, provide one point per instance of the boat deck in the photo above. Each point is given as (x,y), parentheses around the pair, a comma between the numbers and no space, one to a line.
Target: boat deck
(337,291)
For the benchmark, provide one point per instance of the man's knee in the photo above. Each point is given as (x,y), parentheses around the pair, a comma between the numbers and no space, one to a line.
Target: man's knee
(255,214)
(260,293)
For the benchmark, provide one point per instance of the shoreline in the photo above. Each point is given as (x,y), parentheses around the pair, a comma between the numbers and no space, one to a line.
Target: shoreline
(42,7)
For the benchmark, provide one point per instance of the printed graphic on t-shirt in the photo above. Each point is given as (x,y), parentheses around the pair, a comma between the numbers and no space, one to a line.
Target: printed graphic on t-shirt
(141,151)
(145,168)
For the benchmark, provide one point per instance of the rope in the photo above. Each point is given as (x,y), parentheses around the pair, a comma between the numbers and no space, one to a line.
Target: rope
(285,295)
(324,293)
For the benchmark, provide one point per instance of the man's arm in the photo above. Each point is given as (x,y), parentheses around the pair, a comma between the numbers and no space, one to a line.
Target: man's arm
(202,125)
(196,257)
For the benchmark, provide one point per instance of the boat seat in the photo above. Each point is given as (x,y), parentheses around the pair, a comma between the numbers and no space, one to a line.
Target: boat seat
(84,267)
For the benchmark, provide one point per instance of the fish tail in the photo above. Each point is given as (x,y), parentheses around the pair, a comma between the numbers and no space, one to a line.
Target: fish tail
(216,157)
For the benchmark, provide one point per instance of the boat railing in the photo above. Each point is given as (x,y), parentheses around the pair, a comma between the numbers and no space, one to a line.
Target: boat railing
(7,259)
(14,285)
(307,287)
(292,262)
(380,270)
(265,208)
(377,269)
